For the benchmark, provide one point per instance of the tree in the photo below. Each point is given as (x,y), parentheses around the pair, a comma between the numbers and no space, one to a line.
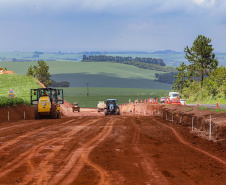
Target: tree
(41,72)
(181,78)
(201,57)
(30,71)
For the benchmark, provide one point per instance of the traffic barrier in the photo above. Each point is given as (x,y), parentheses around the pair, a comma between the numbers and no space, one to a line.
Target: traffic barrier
(145,101)
(134,109)
(156,101)
(141,101)
(137,101)
(197,103)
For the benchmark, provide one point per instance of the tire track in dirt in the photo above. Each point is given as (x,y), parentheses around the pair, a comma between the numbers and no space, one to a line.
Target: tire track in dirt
(181,140)
(13,141)
(43,177)
(28,123)
(80,157)
(21,159)
(155,177)
(27,156)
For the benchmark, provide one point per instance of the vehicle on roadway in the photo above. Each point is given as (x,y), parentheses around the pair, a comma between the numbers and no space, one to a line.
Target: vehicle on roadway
(47,102)
(163,99)
(173,95)
(76,107)
(111,107)
(100,106)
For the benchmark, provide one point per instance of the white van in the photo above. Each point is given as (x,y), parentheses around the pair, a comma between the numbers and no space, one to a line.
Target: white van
(173,95)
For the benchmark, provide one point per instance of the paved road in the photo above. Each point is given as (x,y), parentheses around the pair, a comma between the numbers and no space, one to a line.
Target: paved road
(210,106)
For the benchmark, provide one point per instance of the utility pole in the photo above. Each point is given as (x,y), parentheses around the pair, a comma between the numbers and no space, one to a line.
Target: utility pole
(87,89)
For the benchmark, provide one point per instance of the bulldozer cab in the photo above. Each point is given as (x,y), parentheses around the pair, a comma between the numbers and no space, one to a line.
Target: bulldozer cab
(55,95)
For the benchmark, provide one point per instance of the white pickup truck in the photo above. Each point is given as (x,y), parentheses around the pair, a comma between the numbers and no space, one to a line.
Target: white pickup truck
(173,95)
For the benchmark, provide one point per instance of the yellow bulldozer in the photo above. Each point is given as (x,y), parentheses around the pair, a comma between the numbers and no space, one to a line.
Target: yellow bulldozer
(47,102)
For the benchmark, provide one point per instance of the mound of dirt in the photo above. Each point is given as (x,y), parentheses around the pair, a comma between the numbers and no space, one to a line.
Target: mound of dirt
(6,72)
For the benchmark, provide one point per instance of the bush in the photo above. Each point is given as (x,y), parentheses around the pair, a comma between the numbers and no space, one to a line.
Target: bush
(5,101)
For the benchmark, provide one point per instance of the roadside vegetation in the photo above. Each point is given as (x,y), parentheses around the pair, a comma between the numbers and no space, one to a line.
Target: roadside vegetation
(21,86)
(5,101)
(202,80)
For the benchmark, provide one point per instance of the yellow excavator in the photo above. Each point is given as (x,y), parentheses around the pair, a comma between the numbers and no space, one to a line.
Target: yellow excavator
(47,102)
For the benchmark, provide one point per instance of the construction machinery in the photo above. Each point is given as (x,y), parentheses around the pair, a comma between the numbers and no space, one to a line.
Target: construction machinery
(111,107)
(100,106)
(76,107)
(47,102)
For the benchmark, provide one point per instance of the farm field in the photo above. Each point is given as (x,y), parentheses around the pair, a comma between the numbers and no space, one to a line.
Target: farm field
(101,94)
(97,74)
(92,101)
(64,67)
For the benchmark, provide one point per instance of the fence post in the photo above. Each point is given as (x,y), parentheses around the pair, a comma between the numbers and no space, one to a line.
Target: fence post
(210,129)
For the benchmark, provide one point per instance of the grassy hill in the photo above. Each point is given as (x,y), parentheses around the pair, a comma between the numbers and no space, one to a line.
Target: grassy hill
(21,85)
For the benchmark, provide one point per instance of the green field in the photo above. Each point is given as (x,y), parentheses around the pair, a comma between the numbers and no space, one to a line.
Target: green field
(100,94)
(97,74)
(73,91)
(21,85)
(63,67)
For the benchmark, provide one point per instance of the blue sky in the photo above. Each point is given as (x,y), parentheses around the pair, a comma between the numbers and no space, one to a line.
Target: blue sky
(110,25)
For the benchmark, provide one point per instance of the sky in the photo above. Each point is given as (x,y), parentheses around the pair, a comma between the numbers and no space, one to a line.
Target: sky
(110,25)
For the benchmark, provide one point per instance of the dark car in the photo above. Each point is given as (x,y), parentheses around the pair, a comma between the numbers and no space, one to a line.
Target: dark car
(162,99)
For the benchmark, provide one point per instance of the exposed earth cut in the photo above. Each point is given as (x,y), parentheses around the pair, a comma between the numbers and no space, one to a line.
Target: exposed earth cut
(90,148)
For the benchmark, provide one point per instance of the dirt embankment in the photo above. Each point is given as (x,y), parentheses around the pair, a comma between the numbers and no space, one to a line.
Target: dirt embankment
(184,115)
(201,120)
(15,113)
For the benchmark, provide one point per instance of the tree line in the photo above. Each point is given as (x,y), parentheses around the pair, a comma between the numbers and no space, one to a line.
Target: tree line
(120,59)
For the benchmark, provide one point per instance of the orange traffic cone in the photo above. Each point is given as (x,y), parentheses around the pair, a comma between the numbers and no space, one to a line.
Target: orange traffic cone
(217,106)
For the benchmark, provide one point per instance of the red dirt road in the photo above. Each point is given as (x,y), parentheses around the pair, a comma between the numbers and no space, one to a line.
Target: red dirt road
(107,150)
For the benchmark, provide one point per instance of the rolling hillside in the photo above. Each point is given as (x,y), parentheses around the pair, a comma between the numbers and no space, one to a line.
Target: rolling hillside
(96,74)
